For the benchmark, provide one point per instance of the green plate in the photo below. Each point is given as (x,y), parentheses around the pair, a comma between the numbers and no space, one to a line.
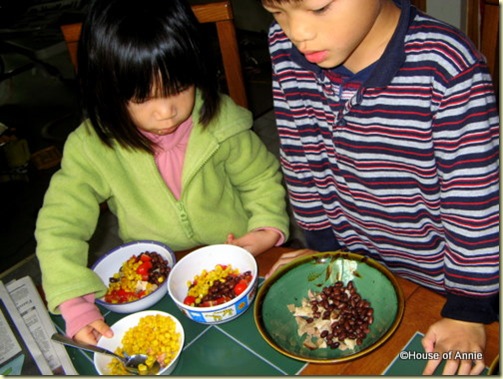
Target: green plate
(290,284)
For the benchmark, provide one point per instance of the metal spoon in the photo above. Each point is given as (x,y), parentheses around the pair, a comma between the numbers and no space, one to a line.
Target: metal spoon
(130,362)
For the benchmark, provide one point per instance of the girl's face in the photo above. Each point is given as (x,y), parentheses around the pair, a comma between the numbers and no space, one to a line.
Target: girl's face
(334,32)
(163,115)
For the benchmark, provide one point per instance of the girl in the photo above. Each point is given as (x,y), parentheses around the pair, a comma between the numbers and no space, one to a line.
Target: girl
(175,161)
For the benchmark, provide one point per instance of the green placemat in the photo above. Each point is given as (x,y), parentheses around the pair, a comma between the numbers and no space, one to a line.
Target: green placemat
(235,348)
(410,362)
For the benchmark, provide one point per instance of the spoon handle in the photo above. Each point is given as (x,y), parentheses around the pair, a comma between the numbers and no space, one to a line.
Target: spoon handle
(81,345)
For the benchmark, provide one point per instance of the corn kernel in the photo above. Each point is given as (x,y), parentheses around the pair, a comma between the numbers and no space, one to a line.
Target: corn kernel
(155,336)
(201,284)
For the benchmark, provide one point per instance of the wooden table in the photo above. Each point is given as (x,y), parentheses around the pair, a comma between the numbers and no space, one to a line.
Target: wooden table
(422,309)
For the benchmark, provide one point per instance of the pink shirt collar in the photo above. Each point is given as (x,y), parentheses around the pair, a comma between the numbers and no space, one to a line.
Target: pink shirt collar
(170,153)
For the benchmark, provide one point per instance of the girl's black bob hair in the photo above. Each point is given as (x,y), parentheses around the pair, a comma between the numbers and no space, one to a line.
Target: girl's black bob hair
(126,49)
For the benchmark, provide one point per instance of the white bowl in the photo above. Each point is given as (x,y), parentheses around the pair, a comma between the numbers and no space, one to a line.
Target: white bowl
(110,263)
(206,258)
(101,361)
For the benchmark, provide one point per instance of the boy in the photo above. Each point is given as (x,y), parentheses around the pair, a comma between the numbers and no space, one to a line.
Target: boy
(389,145)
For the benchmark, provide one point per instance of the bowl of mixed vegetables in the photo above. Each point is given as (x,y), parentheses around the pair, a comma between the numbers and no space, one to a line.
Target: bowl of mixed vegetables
(214,284)
(135,275)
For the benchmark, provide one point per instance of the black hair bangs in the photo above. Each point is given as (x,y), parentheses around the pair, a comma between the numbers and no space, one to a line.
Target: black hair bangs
(161,62)
(157,59)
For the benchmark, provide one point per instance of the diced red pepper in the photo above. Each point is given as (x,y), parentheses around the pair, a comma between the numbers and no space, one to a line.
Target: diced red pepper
(120,296)
(189,300)
(144,268)
(221,300)
(240,287)
(211,303)
(145,258)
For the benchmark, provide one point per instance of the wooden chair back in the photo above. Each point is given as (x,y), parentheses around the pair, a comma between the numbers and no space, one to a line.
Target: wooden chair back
(419,4)
(219,13)
(482,26)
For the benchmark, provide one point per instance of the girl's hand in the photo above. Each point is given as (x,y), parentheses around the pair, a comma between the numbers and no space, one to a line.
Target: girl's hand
(287,257)
(448,335)
(91,333)
(256,242)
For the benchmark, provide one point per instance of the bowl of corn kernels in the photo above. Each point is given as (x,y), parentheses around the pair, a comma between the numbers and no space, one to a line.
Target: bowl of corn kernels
(214,284)
(157,334)
(135,274)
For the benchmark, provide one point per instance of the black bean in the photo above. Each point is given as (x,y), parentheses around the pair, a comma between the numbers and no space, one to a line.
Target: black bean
(354,314)
(226,288)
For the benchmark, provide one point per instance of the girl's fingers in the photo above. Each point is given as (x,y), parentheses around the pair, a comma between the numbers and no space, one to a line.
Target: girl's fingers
(230,239)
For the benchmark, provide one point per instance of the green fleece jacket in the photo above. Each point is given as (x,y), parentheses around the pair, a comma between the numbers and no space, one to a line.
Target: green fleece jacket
(231,183)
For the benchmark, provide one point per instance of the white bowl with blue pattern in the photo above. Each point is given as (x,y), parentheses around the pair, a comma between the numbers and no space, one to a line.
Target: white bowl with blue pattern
(206,258)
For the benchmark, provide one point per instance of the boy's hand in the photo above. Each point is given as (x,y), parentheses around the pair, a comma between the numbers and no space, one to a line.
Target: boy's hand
(448,335)
(91,333)
(256,242)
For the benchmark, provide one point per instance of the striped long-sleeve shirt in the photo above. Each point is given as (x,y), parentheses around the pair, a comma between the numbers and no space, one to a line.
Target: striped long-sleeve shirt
(402,165)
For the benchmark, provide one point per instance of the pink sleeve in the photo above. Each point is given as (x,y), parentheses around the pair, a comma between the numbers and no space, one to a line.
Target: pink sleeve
(79,312)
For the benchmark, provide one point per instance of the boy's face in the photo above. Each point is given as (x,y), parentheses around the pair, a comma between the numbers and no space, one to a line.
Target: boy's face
(334,32)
